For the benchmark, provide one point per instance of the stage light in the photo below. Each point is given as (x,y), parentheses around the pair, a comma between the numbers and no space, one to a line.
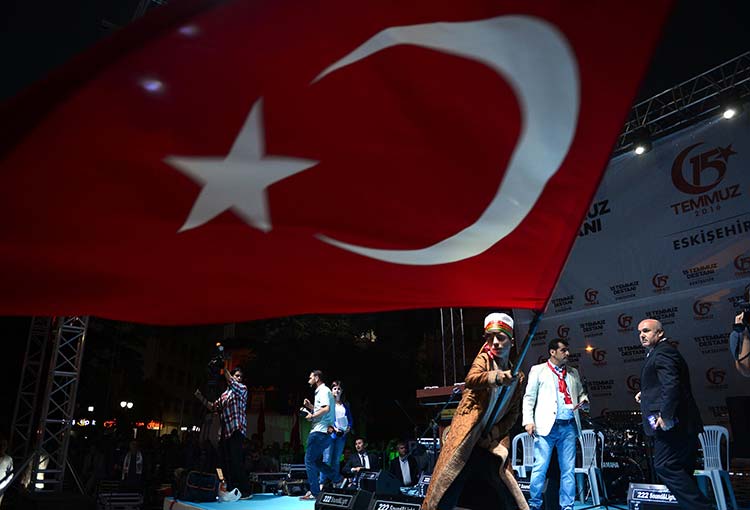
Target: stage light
(589,348)
(91,409)
(641,140)
(123,403)
(130,405)
(730,103)
(152,85)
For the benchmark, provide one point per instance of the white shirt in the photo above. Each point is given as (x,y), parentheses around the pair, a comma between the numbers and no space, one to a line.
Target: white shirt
(365,459)
(405,472)
(341,421)
(323,397)
(6,471)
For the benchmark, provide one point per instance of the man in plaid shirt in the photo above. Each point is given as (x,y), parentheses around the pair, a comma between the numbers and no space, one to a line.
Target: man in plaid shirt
(232,404)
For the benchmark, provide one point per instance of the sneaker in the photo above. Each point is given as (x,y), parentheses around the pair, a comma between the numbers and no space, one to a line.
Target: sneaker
(307,497)
(229,496)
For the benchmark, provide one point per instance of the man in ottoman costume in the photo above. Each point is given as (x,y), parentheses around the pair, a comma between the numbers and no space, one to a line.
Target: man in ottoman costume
(464,454)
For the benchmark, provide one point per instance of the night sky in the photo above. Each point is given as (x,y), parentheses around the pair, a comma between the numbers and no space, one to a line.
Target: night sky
(38,36)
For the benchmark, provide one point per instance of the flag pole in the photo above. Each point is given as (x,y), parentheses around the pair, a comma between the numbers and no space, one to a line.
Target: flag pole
(506,393)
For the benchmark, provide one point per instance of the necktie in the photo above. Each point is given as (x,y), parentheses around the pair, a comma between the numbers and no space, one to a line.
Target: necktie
(562,385)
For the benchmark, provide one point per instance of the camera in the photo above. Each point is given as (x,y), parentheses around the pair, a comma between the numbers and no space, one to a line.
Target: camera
(216,363)
(303,412)
(744,307)
(332,430)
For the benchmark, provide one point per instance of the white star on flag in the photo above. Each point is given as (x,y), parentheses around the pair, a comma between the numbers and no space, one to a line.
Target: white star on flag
(239,180)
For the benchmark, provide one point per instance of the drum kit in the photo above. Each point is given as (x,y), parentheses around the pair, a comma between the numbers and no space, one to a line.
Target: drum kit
(627,455)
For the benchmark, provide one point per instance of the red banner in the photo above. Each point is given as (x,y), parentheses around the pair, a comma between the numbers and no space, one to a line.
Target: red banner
(227,162)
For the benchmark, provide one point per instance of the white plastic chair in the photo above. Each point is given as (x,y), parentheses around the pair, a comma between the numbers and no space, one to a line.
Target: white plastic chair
(590,465)
(713,469)
(527,462)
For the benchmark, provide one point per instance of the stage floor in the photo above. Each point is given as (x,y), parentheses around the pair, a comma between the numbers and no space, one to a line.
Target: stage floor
(269,502)
(258,502)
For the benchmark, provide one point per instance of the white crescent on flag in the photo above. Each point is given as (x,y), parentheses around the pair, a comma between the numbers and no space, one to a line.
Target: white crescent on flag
(545,79)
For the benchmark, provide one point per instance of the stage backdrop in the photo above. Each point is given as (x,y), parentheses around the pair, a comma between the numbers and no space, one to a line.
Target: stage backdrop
(667,236)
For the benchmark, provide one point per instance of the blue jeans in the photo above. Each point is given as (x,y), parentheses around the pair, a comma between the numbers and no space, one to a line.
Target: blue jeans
(332,455)
(564,437)
(317,442)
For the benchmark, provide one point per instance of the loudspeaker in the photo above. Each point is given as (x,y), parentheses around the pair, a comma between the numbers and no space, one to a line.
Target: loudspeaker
(739,420)
(294,487)
(382,482)
(648,496)
(395,502)
(342,499)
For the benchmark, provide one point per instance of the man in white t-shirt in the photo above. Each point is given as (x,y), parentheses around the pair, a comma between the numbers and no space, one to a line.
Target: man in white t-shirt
(322,415)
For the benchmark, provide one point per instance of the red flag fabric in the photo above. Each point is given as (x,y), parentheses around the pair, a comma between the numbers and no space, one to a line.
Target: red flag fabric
(229,161)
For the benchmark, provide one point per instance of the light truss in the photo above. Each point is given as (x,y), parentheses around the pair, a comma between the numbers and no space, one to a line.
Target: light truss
(58,404)
(687,103)
(25,413)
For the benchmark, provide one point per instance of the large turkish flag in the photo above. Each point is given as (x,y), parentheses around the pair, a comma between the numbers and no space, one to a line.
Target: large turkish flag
(244,159)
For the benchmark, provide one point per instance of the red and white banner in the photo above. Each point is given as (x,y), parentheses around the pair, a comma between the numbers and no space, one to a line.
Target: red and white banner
(221,162)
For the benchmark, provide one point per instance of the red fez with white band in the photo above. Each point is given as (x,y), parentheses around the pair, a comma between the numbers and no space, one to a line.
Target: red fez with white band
(499,322)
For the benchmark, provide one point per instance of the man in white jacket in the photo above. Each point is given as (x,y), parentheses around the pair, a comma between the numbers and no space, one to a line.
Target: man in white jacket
(550,413)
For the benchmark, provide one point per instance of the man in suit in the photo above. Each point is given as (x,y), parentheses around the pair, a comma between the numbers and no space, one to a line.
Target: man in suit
(404,467)
(550,413)
(739,338)
(361,460)
(670,415)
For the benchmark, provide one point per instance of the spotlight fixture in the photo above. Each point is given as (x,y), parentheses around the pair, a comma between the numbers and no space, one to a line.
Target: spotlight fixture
(730,103)
(123,403)
(641,140)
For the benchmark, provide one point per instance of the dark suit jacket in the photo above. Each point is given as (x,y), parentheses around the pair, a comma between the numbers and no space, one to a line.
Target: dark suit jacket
(395,469)
(665,389)
(355,461)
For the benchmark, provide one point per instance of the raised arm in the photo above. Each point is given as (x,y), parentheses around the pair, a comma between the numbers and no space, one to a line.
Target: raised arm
(479,377)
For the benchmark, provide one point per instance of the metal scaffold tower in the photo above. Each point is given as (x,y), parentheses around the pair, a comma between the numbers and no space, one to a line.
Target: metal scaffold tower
(452,342)
(25,413)
(45,404)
